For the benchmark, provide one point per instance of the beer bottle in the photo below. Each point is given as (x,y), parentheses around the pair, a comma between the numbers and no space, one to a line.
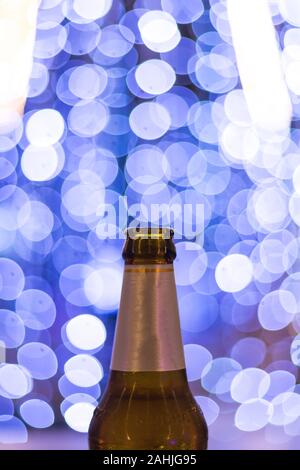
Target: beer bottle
(147,403)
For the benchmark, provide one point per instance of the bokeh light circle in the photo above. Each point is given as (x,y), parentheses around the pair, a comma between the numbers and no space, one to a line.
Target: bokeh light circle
(83,370)
(36,308)
(149,121)
(37,413)
(196,357)
(253,415)
(15,381)
(38,359)
(234,272)
(12,330)
(86,332)
(45,127)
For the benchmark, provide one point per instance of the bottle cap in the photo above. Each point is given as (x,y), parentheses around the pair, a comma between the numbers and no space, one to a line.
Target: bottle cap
(153,245)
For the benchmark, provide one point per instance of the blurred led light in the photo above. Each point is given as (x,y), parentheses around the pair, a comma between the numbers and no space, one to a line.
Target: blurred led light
(224,237)
(12,330)
(39,80)
(39,223)
(294,205)
(116,41)
(291,43)
(13,279)
(103,287)
(38,359)
(183,13)
(180,157)
(256,50)
(286,408)
(50,12)
(130,20)
(83,370)
(270,206)
(253,415)
(6,239)
(92,9)
(117,125)
(290,11)
(155,76)
(176,106)
(179,57)
(72,281)
(83,200)
(277,309)
(86,332)
(103,248)
(105,118)
(273,252)
(219,19)
(207,284)
(6,168)
(195,214)
(67,251)
(87,118)
(66,388)
(79,415)
(190,263)
(214,72)
(51,38)
(196,357)
(36,308)
(234,272)
(202,123)
(6,406)
(37,413)
(249,384)
(146,164)
(81,38)
(158,193)
(88,81)
(42,163)
(45,127)
(15,381)
(216,177)
(296,179)
(240,351)
(280,381)
(12,430)
(11,128)
(292,429)
(218,375)
(197,312)
(159,30)
(236,212)
(295,350)
(240,143)
(102,162)
(209,407)
(291,285)
(236,108)
(12,201)
(149,121)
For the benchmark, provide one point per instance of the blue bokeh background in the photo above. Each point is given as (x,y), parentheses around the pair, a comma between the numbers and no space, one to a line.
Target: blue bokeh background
(144,100)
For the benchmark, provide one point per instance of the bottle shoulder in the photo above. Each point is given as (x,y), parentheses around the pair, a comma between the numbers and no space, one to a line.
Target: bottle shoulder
(153,419)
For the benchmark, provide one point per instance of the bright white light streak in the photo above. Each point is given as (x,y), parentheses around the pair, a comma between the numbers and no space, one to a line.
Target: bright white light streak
(259,65)
(17,36)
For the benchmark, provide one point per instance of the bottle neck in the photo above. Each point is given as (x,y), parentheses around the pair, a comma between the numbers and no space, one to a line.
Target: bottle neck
(148,336)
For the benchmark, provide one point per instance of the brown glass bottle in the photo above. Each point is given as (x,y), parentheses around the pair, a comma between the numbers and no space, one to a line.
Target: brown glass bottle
(147,403)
